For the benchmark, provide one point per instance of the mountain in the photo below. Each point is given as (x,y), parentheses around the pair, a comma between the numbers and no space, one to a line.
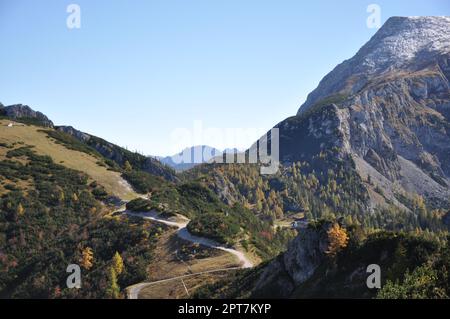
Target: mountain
(364,179)
(120,155)
(402,44)
(317,265)
(61,198)
(190,157)
(106,154)
(57,197)
(86,161)
(25,113)
(386,111)
(373,136)
(378,128)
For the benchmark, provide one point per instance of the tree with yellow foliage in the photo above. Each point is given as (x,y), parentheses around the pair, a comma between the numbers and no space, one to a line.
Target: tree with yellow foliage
(259,195)
(338,239)
(118,263)
(20,210)
(87,258)
(59,193)
(419,204)
(278,212)
(128,166)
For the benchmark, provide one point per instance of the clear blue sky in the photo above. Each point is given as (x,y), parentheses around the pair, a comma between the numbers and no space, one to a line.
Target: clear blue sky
(137,70)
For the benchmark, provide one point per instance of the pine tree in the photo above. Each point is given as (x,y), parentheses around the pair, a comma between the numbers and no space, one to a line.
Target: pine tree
(278,212)
(113,290)
(259,195)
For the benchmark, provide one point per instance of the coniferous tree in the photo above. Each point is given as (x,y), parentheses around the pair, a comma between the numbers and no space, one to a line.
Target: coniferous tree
(118,263)
(113,290)
(20,210)
(87,258)
(338,239)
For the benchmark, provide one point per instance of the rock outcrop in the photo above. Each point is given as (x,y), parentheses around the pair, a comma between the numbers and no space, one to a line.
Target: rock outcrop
(298,264)
(403,43)
(84,137)
(24,112)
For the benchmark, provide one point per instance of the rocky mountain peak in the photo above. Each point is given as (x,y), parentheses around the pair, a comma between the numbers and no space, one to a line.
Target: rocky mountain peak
(387,111)
(21,112)
(402,39)
(402,43)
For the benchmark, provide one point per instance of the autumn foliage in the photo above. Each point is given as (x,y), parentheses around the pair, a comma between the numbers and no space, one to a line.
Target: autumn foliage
(338,239)
(87,258)
(118,263)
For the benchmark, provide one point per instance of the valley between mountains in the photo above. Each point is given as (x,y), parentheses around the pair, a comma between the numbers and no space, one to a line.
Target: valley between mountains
(47,171)
(363,179)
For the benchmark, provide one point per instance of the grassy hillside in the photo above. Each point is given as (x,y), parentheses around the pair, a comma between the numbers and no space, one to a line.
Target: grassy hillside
(91,164)
(116,156)
(50,217)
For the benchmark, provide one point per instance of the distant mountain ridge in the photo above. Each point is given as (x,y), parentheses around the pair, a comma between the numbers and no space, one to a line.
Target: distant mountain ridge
(190,157)
(383,118)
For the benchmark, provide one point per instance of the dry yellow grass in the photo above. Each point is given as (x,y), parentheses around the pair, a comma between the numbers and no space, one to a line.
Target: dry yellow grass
(30,135)
(175,289)
(166,266)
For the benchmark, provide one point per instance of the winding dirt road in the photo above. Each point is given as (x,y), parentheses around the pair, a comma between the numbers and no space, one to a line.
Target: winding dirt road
(183,233)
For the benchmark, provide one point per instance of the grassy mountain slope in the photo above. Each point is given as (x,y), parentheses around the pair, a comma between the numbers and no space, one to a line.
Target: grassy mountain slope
(94,166)
(116,154)
(51,217)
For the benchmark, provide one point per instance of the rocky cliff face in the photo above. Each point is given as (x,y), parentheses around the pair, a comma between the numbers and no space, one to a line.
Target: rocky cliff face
(403,43)
(388,109)
(306,270)
(84,137)
(291,269)
(24,112)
